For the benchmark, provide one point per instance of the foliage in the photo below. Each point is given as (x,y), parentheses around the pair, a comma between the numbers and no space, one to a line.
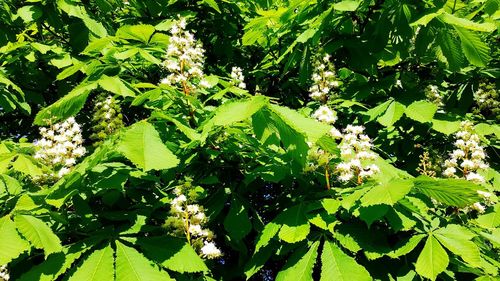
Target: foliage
(202,114)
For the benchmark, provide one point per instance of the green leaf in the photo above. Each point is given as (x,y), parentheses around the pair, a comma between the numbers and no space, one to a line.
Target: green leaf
(237,222)
(337,265)
(56,264)
(67,106)
(490,219)
(300,270)
(406,247)
(330,205)
(233,112)
(26,165)
(12,244)
(212,4)
(10,185)
(377,110)
(425,19)
(432,260)
(142,145)
(238,111)
(141,32)
(38,233)
(98,266)
(189,132)
(346,5)
(172,253)
(465,23)
(74,10)
(421,111)
(295,225)
(269,231)
(452,192)
(393,113)
(29,13)
(306,35)
(464,248)
(311,128)
(133,266)
(475,50)
(451,50)
(115,85)
(389,193)
(258,260)
(446,127)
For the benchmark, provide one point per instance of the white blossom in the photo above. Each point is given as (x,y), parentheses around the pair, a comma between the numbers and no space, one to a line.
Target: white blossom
(185,59)
(210,250)
(325,114)
(4,273)
(237,78)
(478,207)
(433,95)
(324,80)
(355,151)
(59,147)
(468,156)
(188,218)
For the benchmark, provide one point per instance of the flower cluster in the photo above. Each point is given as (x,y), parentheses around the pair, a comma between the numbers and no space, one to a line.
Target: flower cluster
(325,114)
(355,150)
(487,197)
(324,79)
(188,219)
(185,59)
(426,165)
(107,118)
(237,78)
(487,99)
(60,146)
(4,273)
(433,95)
(468,156)
(317,157)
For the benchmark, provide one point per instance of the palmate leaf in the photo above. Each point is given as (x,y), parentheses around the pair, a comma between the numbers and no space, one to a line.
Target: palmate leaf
(311,128)
(432,260)
(406,246)
(237,223)
(337,265)
(389,193)
(141,32)
(300,269)
(27,165)
(66,106)
(96,267)
(475,50)
(56,264)
(490,219)
(172,253)
(451,50)
(11,243)
(467,24)
(133,266)
(457,239)
(38,233)
(421,111)
(295,225)
(230,113)
(116,86)
(393,113)
(452,192)
(269,231)
(142,145)
(72,9)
